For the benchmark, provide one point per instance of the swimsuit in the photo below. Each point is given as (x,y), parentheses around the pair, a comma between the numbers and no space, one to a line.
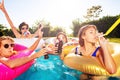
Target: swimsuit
(94,53)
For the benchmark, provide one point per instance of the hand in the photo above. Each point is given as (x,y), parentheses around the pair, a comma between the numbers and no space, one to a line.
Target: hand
(51,49)
(40,33)
(2,5)
(42,52)
(102,40)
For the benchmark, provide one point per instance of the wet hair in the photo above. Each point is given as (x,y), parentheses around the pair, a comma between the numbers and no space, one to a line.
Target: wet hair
(23,24)
(5,38)
(82,32)
(62,33)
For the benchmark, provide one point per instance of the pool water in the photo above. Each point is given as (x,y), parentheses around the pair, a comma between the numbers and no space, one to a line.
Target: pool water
(50,69)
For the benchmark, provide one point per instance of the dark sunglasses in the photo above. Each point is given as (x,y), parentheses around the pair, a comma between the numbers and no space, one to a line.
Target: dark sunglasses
(24,28)
(7,45)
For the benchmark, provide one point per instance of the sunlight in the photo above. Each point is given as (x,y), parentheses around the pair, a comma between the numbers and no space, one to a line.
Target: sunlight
(63,12)
(57,12)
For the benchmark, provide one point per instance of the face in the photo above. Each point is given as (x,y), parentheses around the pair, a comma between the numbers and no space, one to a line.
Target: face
(6,49)
(24,29)
(62,37)
(90,35)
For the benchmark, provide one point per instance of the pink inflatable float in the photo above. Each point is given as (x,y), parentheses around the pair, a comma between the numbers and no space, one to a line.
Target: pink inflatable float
(7,73)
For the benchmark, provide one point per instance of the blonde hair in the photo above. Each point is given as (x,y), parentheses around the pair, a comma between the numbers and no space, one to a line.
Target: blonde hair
(82,32)
(5,38)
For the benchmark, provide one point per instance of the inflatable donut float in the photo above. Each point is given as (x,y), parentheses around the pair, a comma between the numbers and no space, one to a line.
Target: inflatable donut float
(7,73)
(27,42)
(67,47)
(91,65)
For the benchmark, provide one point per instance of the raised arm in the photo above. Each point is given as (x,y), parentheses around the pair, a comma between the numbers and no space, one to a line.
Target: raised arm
(106,57)
(40,33)
(16,33)
(36,34)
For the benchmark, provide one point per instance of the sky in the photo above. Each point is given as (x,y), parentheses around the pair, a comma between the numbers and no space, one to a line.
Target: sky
(57,12)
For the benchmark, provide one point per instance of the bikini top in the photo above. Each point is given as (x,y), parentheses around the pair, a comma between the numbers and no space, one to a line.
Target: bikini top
(94,53)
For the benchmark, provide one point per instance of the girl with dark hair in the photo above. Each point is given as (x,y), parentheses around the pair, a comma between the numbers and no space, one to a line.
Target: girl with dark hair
(23,27)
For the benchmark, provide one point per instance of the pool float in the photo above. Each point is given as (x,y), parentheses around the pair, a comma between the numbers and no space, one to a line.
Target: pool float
(7,73)
(67,48)
(28,42)
(91,65)
(19,47)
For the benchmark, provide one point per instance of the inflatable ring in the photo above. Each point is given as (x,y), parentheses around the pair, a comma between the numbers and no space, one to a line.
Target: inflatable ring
(27,42)
(91,65)
(7,73)
(68,47)
(19,47)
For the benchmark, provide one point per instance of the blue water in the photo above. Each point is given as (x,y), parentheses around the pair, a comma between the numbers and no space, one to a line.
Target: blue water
(49,69)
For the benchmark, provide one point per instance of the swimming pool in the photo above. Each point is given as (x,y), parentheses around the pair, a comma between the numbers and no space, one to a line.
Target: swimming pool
(52,69)
(49,69)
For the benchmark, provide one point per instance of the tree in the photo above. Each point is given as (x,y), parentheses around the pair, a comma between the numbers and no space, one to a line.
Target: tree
(55,30)
(46,27)
(76,25)
(103,24)
(5,31)
(93,13)
(2,28)
(49,31)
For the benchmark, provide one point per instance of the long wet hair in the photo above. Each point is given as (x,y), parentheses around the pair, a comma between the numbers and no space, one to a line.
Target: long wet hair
(82,31)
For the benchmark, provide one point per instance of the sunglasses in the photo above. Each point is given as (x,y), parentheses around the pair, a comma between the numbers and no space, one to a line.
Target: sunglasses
(8,45)
(24,28)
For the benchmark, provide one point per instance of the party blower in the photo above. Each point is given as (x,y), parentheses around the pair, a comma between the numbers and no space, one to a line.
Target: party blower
(112,27)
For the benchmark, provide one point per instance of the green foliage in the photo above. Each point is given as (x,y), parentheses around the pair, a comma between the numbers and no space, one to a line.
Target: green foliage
(49,31)
(5,31)
(93,13)
(55,30)
(103,24)
(8,32)
(76,25)
(46,31)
